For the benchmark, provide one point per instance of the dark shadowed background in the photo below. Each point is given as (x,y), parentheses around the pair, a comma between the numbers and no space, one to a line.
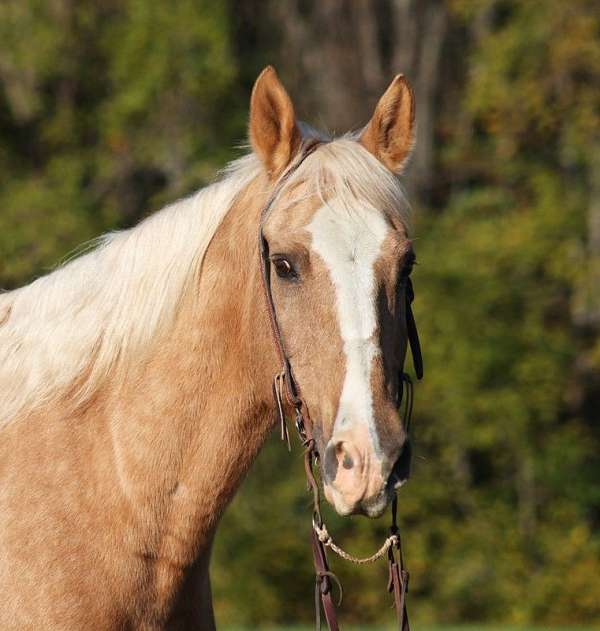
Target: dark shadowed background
(110,109)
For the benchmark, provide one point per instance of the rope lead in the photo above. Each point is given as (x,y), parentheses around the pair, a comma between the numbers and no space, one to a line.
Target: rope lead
(326,540)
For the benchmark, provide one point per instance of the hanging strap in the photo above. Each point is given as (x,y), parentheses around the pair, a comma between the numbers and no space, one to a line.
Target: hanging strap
(324,580)
(411,329)
(398,576)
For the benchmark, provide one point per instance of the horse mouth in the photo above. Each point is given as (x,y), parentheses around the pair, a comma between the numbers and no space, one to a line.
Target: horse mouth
(401,469)
(373,505)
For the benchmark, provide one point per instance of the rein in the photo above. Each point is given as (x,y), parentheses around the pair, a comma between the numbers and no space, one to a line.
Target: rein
(285,386)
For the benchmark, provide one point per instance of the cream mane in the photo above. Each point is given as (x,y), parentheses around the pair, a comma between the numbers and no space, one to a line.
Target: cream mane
(97,310)
(102,309)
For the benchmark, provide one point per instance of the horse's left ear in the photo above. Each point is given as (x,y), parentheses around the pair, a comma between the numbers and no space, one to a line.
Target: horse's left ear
(274,134)
(389,135)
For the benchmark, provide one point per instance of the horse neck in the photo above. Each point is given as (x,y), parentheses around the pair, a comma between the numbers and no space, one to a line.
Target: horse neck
(189,423)
(189,420)
(144,469)
(201,402)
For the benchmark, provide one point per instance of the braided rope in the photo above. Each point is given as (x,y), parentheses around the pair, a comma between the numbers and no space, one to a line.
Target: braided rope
(325,539)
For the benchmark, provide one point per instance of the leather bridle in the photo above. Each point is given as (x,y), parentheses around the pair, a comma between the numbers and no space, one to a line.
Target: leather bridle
(285,385)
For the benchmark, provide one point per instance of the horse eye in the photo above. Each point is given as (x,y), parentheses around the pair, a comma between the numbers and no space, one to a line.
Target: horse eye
(284,268)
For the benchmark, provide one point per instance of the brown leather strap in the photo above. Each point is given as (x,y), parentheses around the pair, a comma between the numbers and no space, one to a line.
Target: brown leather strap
(292,389)
(398,585)
(411,328)
(398,576)
(324,577)
(323,585)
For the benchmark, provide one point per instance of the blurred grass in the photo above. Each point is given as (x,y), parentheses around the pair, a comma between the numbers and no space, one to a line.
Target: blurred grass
(419,628)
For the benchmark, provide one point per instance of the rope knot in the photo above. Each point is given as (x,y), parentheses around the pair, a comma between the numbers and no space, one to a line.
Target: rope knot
(326,539)
(324,536)
(393,540)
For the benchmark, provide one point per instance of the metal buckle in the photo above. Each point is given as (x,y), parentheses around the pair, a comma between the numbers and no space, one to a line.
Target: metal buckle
(300,422)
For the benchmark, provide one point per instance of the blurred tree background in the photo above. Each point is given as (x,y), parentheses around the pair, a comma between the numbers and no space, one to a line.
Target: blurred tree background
(109,109)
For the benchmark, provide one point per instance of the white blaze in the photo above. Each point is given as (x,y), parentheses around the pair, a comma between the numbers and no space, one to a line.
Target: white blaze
(350,243)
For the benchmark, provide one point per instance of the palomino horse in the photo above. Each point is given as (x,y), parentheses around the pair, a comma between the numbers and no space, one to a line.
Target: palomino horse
(135,381)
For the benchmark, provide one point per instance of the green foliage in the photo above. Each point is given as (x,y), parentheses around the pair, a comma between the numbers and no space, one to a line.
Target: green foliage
(93,98)
(416,628)
(107,110)
(499,516)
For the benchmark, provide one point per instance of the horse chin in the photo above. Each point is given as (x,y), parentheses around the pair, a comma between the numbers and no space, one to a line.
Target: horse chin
(373,507)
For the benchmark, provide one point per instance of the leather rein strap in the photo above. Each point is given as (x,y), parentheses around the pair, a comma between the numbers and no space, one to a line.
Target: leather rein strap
(285,385)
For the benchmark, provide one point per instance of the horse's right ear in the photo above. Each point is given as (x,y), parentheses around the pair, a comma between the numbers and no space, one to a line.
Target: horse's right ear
(274,134)
(390,134)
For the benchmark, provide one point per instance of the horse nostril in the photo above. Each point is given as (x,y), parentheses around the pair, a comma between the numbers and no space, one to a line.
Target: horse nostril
(330,462)
(338,453)
(401,469)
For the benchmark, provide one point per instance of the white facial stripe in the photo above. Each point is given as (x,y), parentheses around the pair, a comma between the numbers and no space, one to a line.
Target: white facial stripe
(350,243)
